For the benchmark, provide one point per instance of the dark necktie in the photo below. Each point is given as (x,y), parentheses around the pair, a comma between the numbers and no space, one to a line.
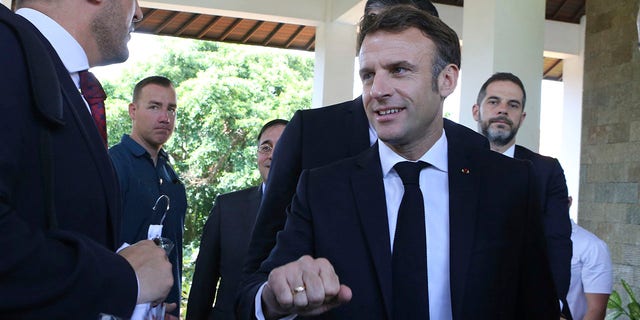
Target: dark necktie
(94,94)
(409,259)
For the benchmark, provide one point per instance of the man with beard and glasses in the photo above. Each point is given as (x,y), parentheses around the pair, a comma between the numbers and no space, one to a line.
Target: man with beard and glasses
(499,111)
(60,207)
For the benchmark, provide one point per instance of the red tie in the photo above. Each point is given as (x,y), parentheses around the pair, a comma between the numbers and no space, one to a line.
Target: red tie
(94,94)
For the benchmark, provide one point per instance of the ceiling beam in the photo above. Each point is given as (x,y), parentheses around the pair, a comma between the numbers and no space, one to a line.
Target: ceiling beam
(208,27)
(194,18)
(252,31)
(230,29)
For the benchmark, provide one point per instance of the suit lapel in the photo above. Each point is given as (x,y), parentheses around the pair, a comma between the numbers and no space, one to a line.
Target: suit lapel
(255,197)
(368,191)
(357,120)
(463,197)
(41,68)
(86,127)
(74,105)
(518,153)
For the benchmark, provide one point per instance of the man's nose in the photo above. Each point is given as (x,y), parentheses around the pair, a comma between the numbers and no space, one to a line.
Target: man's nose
(137,13)
(503,108)
(380,87)
(164,116)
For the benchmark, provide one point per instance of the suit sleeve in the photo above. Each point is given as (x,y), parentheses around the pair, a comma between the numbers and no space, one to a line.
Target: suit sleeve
(281,185)
(46,274)
(557,227)
(537,298)
(293,242)
(207,271)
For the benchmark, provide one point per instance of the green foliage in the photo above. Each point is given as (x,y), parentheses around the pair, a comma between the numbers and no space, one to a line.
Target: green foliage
(616,307)
(225,94)
(189,255)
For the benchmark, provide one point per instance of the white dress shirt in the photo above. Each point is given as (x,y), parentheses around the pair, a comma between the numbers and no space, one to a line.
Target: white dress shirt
(434,184)
(511,151)
(373,135)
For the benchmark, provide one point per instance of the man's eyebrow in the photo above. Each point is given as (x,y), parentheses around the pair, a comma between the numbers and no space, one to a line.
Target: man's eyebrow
(401,63)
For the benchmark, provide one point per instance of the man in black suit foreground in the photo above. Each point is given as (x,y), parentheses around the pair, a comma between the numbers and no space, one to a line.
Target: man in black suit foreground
(314,138)
(336,257)
(60,208)
(225,239)
(499,111)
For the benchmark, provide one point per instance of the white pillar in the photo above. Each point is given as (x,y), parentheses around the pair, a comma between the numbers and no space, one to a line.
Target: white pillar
(573,76)
(335,58)
(569,155)
(504,35)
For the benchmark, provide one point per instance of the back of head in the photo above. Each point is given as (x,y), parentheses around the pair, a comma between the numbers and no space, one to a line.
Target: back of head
(398,18)
(502,76)
(377,5)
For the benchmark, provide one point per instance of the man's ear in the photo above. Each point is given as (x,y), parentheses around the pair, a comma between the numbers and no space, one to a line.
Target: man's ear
(447,80)
(475,110)
(522,117)
(132,111)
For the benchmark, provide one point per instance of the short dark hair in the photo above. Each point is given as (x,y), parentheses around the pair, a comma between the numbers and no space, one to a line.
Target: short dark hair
(159,80)
(272,123)
(424,5)
(501,76)
(398,18)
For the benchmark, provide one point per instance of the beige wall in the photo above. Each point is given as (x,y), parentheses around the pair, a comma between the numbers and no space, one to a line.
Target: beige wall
(610,157)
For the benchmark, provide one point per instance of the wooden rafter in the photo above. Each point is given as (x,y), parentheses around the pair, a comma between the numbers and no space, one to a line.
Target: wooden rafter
(186,25)
(230,29)
(208,27)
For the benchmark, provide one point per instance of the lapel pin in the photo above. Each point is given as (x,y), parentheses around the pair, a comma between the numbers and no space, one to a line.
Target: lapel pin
(465,170)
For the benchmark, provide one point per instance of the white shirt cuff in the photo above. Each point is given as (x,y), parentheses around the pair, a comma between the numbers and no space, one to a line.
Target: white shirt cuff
(258,306)
(124,245)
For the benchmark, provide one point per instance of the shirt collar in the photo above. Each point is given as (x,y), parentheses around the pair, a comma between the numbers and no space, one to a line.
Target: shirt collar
(68,49)
(136,149)
(511,151)
(436,156)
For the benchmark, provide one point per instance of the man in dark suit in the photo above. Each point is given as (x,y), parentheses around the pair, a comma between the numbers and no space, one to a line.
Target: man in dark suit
(225,239)
(484,256)
(499,111)
(59,201)
(314,138)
